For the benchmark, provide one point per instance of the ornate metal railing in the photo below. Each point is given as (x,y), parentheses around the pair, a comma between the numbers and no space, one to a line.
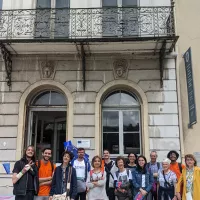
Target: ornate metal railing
(135,22)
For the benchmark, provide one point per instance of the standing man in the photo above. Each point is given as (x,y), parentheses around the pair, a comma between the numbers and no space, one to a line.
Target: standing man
(45,172)
(153,166)
(110,169)
(175,166)
(82,167)
(25,179)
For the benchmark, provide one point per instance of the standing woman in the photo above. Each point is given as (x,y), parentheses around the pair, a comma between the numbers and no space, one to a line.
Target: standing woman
(132,159)
(96,181)
(166,182)
(60,178)
(122,180)
(25,179)
(142,179)
(189,181)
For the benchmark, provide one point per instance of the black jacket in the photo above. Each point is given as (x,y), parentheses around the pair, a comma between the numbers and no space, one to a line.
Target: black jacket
(20,187)
(56,186)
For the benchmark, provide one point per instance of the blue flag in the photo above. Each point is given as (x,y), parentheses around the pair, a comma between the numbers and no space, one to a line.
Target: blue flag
(70,147)
(6,167)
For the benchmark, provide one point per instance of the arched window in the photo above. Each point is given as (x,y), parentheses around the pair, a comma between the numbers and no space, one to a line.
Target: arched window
(47,123)
(121,123)
(49,98)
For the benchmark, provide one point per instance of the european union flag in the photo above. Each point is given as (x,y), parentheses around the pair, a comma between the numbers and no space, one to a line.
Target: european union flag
(70,147)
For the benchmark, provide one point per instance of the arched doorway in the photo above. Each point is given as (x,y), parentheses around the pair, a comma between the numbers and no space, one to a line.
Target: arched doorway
(121,123)
(46,125)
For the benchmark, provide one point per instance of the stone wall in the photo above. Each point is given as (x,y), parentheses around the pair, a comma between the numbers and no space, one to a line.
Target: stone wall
(162,102)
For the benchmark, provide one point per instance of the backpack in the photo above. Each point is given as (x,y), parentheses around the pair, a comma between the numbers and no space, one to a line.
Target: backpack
(39,164)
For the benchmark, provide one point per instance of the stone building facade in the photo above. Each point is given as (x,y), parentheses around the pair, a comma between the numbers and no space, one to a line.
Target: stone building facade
(115,94)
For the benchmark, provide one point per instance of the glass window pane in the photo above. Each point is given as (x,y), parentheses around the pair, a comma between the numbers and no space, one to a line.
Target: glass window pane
(110,121)
(129,3)
(42,22)
(62,22)
(42,99)
(120,99)
(111,142)
(112,100)
(44,4)
(131,143)
(39,126)
(131,121)
(61,136)
(57,99)
(128,100)
(109,3)
(62,3)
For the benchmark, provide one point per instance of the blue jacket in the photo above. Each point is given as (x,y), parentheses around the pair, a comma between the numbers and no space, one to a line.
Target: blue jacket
(56,186)
(137,180)
(87,168)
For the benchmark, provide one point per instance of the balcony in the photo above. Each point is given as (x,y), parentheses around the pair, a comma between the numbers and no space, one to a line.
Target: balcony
(104,29)
(116,30)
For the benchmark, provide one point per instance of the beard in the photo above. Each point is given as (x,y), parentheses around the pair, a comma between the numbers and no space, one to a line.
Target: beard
(45,159)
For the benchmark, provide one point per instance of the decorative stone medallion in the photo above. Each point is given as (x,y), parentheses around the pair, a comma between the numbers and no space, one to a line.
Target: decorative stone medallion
(120,69)
(47,69)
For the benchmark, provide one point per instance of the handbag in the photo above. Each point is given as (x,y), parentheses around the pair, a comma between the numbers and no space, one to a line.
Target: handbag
(127,194)
(81,186)
(65,196)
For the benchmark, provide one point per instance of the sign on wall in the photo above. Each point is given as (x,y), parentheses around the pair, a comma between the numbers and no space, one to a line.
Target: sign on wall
(190,87)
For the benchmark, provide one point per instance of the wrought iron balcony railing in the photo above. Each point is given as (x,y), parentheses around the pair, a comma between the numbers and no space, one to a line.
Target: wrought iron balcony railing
(91,23)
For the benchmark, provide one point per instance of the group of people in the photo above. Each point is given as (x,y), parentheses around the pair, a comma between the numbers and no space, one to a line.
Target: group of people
(122,179)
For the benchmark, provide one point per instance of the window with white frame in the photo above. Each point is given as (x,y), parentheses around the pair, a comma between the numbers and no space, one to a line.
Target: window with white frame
(121,123)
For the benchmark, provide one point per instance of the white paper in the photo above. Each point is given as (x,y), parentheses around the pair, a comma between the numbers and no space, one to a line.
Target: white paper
(189,196)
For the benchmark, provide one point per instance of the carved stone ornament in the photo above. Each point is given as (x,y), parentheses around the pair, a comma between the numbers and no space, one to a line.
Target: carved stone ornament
(120,69)
(47,69)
